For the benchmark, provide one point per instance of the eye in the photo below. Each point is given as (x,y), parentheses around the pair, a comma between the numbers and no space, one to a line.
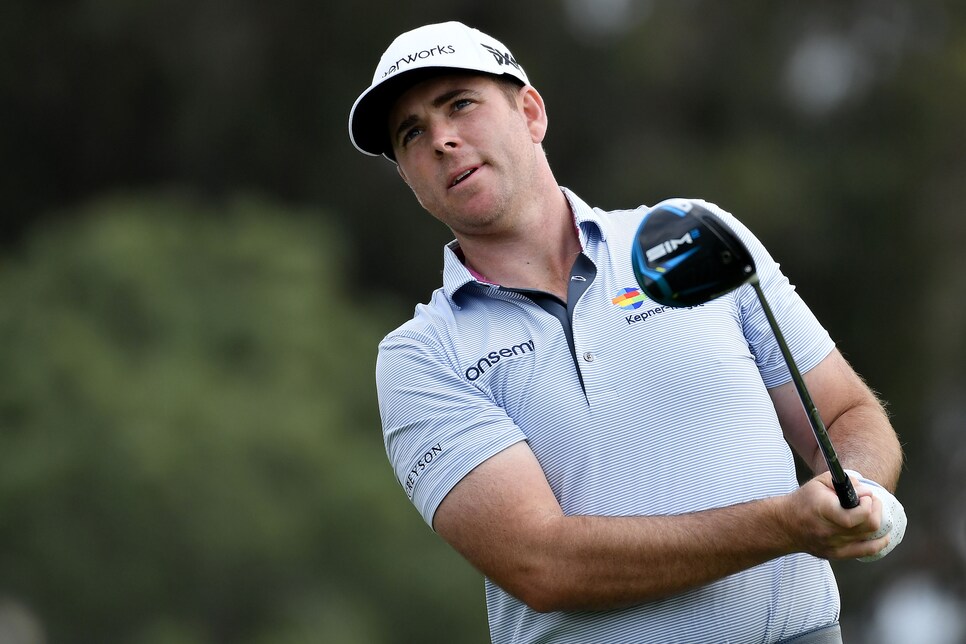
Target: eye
(460,103)
(411,134)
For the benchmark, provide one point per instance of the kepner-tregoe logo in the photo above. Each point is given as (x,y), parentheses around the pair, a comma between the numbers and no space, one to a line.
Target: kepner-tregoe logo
(629,298)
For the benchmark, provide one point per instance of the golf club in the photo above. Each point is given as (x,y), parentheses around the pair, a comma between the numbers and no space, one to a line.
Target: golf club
(683,255)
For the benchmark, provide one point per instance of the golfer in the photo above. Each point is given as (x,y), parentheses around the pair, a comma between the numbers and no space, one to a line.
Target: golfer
(617,470)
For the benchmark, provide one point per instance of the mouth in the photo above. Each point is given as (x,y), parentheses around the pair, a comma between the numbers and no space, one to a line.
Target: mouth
(462,176)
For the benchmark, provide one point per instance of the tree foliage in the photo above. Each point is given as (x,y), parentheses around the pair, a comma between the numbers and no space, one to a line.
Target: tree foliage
(190,448)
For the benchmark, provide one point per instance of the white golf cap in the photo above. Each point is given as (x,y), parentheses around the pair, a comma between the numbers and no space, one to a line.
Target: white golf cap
(414,56)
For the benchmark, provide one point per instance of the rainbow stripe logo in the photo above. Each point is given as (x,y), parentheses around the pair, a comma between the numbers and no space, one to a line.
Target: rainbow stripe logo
(629,298)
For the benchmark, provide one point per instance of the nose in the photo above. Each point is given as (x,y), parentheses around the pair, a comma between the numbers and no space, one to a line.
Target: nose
(445,140)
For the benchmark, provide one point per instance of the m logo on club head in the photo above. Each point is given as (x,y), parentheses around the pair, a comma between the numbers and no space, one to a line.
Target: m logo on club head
(667,247)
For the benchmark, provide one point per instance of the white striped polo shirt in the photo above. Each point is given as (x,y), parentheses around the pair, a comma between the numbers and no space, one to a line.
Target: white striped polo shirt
(669,414)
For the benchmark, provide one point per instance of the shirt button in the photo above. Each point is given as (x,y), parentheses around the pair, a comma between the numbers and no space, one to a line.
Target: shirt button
(589,357)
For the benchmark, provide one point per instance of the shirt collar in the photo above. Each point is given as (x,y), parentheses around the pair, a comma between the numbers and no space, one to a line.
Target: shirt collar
(456,275)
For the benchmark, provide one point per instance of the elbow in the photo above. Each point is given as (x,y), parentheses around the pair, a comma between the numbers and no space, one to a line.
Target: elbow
(541,600)
(553,594)
(542,588)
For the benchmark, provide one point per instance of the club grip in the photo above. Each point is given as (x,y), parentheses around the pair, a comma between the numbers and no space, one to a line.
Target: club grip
(846,493)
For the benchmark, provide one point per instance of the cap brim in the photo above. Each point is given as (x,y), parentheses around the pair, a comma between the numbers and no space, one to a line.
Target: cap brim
(369,119)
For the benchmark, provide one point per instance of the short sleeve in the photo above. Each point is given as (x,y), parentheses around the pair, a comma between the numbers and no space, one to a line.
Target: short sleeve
(437,426)
(808,341)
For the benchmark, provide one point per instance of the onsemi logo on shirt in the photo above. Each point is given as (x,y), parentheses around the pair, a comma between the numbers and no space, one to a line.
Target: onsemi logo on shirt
(493,357)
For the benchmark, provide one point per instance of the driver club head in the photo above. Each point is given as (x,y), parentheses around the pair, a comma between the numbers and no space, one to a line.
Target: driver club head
(684,255)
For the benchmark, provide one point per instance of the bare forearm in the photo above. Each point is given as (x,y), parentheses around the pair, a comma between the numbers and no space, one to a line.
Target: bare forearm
(865,441)
(504,518)
(593,563)
(857,422)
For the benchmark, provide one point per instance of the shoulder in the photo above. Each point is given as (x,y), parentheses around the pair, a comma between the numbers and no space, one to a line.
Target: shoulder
(441,328)
(429,322)
(632,216)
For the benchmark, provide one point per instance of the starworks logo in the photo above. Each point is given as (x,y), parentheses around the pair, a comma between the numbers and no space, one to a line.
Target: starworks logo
(494,357)
(416,56)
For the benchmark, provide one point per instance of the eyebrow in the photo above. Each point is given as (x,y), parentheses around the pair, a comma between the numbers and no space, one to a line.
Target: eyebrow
(442,99)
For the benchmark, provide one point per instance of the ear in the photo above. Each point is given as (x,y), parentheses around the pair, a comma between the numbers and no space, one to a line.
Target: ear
(535,113)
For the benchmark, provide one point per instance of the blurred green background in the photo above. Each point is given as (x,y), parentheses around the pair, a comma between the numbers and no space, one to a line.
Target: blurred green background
(196,267)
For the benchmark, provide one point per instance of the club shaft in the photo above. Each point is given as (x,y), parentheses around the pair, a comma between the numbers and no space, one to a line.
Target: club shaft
(840,480)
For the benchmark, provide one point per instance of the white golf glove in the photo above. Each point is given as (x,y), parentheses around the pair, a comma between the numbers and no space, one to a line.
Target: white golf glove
(893,517)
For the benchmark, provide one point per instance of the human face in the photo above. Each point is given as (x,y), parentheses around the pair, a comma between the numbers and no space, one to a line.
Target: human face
(466,150)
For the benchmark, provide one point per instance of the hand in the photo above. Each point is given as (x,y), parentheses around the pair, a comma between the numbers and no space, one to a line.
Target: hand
(819,525)
(893,517)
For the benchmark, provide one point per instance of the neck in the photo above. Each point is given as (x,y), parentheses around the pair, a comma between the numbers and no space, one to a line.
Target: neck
(536,253)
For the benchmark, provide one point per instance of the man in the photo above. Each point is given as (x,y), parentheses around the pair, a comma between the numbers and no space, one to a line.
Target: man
(618,471)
